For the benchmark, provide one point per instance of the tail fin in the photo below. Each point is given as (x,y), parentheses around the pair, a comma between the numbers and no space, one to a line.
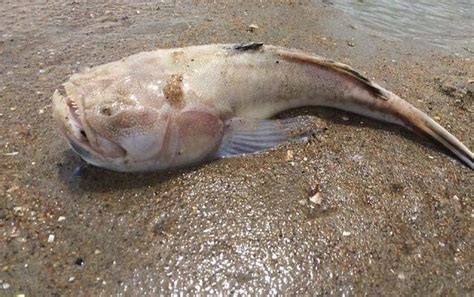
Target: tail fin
(420,122)
(372,100)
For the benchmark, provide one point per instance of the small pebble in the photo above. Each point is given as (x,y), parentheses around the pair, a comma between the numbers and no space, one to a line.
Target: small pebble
(350,43)
(316,198)
(289,155)
(346,233)
(13,189)
(71,279)
(5,286)
(11,154)
(18,209)
(77,171)
(401,276)
(51,238)
(252,27)
(79,262)
(344,118)
(41,111)
(302,201)
(61,218)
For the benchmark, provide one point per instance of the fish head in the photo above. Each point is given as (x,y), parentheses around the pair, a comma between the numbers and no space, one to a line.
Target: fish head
(125,123)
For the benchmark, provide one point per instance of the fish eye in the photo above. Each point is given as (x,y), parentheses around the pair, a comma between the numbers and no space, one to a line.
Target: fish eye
(105,110)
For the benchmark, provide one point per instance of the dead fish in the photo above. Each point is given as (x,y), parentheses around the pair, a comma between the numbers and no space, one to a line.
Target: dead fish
(177,107)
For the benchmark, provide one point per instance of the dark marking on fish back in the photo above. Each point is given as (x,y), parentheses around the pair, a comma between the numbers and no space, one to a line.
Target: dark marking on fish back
(337,67)
(248,46)
(173,91)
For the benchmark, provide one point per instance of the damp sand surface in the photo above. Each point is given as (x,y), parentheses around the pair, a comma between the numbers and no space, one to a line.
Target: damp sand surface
(363,207)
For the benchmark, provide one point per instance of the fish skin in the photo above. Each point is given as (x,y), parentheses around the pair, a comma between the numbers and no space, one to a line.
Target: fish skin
(170,107)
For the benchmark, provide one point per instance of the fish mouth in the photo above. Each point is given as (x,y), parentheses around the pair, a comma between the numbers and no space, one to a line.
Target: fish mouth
(83,140)
(67,115)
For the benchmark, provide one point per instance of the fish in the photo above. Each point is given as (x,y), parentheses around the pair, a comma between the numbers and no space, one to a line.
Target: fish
(178,107)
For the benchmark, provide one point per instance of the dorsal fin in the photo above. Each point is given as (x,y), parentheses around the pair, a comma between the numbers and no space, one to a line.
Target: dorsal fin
(335,66)
(248,46)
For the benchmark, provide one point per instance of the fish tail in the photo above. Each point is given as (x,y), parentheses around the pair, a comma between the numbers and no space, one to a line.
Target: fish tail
(371,100)
(414,119)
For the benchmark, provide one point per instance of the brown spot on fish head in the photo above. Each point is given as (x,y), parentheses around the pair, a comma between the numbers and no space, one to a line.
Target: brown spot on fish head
(122,91)
(177,56)
(173,91)
(103,83)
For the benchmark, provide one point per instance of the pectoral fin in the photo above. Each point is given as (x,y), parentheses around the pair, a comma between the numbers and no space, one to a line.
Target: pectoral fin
(247,136)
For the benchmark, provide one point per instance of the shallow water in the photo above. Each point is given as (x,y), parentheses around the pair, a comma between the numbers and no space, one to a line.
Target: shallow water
(448,24)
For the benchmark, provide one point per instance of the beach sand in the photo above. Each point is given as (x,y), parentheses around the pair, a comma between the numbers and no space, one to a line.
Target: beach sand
(390,212)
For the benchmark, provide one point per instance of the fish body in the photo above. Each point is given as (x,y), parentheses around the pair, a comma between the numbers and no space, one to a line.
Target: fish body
(178,107)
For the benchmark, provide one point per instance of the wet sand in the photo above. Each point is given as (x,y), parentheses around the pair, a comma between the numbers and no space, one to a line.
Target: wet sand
(393,215)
